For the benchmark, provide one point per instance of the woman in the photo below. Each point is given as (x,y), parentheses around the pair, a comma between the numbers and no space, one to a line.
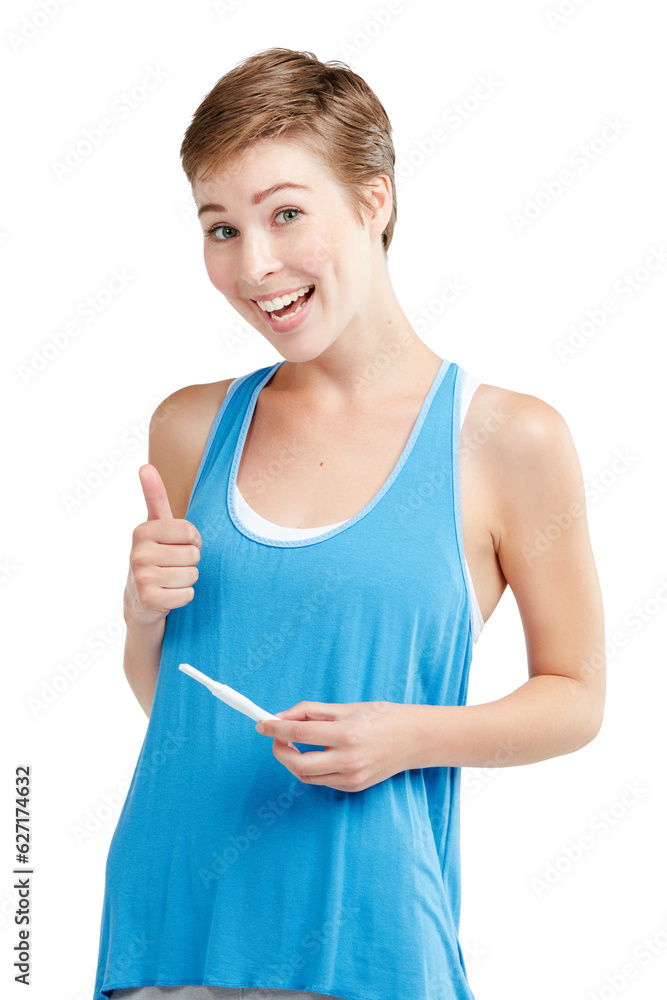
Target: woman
(329,533)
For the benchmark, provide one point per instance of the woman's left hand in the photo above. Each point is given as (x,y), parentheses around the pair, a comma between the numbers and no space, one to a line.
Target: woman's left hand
(365,742)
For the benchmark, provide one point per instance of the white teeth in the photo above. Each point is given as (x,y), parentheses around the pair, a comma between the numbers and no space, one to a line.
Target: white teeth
(269,305)
(278,319)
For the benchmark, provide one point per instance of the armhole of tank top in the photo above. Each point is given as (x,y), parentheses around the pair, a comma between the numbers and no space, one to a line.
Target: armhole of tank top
(463,377)
(231,388)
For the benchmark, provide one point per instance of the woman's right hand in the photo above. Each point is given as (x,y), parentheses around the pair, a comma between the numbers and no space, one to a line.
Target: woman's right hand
(163,559)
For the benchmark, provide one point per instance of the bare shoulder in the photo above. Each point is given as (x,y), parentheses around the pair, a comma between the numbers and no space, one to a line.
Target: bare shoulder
(515,420)
(177,436)
(520,447)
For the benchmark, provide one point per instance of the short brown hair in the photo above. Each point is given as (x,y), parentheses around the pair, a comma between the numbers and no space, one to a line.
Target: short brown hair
(286,93)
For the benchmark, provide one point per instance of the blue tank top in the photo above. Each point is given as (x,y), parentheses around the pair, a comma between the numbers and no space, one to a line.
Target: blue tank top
(226,870)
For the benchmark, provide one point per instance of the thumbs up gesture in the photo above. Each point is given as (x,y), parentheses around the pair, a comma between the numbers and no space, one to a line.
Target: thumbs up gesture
(164,556)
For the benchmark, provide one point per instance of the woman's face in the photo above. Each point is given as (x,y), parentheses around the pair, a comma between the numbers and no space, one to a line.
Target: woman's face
(261,243)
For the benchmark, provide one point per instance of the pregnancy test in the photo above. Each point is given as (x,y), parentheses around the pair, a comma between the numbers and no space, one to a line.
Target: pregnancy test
(231,697)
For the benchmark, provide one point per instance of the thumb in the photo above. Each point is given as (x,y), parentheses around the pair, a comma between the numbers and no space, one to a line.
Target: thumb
(155,494)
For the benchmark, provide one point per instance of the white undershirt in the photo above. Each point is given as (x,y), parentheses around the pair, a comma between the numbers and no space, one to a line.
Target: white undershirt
(268,529)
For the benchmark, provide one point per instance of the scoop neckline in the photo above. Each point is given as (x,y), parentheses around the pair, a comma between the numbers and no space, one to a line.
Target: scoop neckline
(345,525)
(272,524)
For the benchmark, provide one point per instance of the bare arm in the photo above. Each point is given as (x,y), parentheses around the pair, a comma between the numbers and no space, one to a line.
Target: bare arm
(157,583)
(543,545)
(143,649)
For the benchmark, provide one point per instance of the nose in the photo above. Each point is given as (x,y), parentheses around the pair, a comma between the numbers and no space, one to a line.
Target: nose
(257,259)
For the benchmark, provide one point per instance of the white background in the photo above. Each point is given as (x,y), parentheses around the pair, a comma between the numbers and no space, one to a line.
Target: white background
(127,206)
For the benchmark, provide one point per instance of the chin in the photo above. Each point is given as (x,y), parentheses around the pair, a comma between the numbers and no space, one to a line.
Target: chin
(299,355)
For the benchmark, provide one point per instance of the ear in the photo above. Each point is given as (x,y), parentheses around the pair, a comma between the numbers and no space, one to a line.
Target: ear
(380,194)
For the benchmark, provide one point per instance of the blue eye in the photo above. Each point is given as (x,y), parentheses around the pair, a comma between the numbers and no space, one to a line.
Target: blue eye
(210,234)
(289,210)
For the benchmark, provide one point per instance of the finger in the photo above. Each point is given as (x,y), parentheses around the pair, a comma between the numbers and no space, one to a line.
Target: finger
(313,710)
(175,577)
(315,765)
(316,733)
(155,494)
(167,531)
(166,555)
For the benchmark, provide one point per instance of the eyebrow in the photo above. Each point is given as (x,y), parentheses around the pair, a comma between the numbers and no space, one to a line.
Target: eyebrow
(260,196)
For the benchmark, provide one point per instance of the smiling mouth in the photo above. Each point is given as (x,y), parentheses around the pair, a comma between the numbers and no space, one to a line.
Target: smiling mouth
(291,309)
